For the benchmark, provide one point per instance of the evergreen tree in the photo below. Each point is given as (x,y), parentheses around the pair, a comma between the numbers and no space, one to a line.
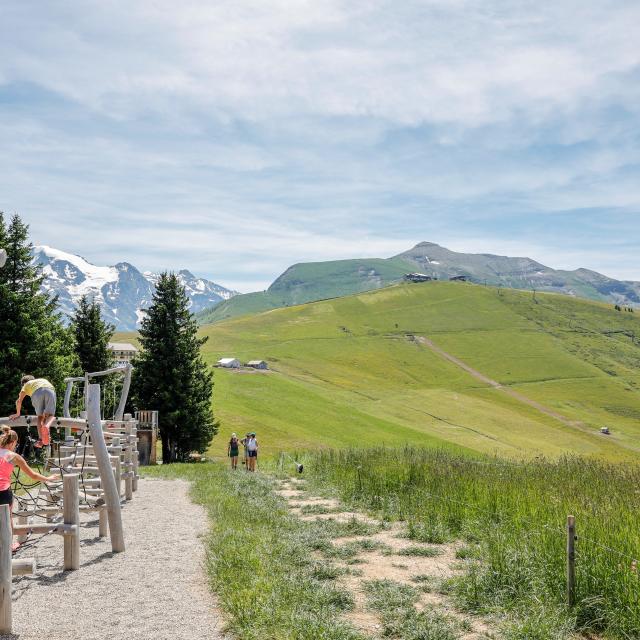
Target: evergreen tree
(32,337)
(91,336)
(170,374)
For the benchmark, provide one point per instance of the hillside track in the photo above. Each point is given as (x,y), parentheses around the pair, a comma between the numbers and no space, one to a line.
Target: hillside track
(496,385)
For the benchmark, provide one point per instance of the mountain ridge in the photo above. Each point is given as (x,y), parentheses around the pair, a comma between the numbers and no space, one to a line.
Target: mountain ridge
(122,291)
(311,281)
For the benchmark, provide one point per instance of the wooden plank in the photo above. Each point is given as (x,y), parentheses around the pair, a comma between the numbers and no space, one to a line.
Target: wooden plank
(71,516)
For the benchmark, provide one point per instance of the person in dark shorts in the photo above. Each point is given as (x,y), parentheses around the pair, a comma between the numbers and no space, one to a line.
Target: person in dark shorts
(233,449)
(43,399)
(251,446)
(8,459)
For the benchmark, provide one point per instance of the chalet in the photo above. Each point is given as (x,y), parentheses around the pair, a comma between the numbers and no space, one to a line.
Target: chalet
(122,352)
(229,363)
(258,364)
(459,278)
(417,277)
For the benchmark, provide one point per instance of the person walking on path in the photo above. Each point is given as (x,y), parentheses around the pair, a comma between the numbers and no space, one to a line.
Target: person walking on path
(43,399)
(8,459)
(245,452)
(251,446)
(233,449)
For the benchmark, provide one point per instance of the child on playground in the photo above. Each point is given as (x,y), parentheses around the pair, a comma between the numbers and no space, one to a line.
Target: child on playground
(8,459)
(43,399)
(233,450)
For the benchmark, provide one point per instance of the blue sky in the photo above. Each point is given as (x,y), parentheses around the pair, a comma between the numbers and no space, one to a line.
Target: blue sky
(234,138)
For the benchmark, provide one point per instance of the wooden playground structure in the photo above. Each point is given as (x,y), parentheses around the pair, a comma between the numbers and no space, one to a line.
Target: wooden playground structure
(98,461)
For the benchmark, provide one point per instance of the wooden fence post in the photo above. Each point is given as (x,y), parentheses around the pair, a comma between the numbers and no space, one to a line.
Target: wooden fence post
(107,478)
(6,569)
(571,560)
(71,515)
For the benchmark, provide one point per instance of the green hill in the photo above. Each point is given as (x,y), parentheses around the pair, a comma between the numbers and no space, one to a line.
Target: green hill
(311,281)
(357,371)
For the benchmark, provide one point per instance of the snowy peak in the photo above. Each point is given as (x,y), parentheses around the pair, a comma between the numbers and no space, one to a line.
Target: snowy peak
(122,290)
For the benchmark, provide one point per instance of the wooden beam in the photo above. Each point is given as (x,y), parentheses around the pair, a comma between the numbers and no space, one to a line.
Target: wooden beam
(111,496)
(5,569)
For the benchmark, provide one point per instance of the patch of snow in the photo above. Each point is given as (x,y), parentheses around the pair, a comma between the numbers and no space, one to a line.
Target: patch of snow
(434,262)
(140,316)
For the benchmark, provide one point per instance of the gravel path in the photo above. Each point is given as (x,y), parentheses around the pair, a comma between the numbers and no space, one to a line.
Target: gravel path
(156,590)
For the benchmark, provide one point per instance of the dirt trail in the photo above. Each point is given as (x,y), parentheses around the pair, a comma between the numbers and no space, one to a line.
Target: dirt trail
(385,561)
(496,385)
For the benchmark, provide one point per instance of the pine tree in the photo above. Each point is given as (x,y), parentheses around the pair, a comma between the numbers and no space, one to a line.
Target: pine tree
(32,336)
(91,336)
(170,374)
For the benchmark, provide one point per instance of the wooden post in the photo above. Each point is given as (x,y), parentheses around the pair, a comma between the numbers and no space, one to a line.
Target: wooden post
(111,496)
(6,569)
(128,479)
(23,520)
(136,468)
(103,528)
(571,561)
(71,515)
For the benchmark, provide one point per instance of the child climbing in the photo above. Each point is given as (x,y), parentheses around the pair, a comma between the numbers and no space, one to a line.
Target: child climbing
(233,450)
(43,399)
(9,458)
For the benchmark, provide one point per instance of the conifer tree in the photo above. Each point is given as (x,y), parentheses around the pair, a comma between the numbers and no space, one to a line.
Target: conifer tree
(170,374)
(32,337)
(91,336)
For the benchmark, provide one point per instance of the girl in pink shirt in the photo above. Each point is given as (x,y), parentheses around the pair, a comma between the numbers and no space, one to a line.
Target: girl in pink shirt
(8,459)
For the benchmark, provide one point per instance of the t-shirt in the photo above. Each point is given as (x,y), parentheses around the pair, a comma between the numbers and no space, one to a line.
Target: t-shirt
(252,444)
(33,385)
(6,468)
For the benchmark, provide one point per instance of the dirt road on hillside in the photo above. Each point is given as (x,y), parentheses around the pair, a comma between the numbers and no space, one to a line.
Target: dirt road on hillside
(496,385)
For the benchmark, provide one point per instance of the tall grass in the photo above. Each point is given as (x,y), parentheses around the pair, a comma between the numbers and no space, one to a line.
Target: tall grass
(514,513)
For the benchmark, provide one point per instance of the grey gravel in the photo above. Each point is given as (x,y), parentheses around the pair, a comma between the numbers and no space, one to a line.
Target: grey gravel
(155,590)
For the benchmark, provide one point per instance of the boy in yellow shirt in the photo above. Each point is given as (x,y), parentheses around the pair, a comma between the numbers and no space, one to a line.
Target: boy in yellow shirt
(43,399)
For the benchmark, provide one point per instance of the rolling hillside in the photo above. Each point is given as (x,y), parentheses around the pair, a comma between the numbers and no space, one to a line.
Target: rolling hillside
(359,370)
(311,281)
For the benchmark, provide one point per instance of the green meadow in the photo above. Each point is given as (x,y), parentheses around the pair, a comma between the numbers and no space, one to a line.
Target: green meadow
(352,371)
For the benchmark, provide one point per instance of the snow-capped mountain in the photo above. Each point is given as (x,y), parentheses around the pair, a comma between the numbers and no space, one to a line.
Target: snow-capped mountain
(122,290)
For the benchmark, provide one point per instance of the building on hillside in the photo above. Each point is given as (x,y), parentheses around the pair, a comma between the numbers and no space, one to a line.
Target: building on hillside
(459,278)
(418,277)
(258,364)
(229,363)
(123,352)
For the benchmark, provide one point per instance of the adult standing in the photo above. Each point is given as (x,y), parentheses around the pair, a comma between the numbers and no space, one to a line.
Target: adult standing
(252,451)
(233,449)
(43,399)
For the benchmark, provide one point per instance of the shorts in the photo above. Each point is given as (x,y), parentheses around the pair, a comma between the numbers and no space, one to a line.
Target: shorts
(233,453)
(44,401)
(252,454)
(6,497)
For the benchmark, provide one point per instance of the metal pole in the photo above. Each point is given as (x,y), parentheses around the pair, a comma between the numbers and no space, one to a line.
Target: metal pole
(571,561)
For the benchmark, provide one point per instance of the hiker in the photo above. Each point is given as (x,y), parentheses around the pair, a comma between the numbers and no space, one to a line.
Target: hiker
(245,460)
(251,447)
(43,399)
(232,450)
(9,458)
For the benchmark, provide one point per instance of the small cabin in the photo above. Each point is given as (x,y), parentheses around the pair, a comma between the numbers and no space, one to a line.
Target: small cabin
(229,363)
(417,277)
(605,431)
(258,364)
(459,278)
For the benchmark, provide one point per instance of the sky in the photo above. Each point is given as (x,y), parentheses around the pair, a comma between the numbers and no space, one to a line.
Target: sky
(235,138)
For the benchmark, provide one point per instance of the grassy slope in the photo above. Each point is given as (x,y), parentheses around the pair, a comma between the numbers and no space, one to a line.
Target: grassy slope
(312,281)
(345,373)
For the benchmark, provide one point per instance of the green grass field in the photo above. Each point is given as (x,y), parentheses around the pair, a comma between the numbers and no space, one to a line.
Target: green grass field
(346,372)
(349,372)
